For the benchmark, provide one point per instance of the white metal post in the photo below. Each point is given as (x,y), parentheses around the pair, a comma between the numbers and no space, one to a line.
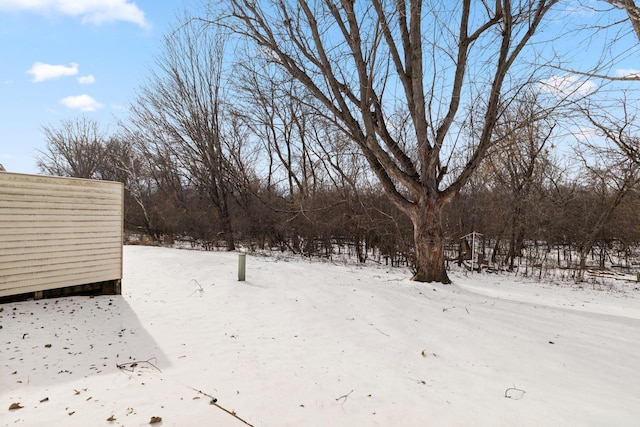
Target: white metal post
(473,249)
(242,266)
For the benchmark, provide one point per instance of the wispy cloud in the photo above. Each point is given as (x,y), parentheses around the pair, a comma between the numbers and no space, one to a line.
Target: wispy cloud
(585,134)
(95,12)
(86,80)
(42,72)
(628,72)
(583,9)
(567,85)
(83,103)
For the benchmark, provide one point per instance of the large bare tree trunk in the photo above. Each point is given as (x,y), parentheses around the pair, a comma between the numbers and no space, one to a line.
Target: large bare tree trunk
(429,243)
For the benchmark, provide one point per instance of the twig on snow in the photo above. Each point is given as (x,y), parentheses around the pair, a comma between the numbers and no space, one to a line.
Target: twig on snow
(200,289)
(371,324)
(214,402)
(130,366)
(344,396)
(420,293)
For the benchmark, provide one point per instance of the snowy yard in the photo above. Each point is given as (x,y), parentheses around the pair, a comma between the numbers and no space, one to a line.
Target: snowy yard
(319,344)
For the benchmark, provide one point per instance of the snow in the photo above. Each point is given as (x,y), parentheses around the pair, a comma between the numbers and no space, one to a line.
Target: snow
(303,343)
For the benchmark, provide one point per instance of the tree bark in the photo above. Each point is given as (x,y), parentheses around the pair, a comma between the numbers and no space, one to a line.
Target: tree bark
(227,228)
(429,242)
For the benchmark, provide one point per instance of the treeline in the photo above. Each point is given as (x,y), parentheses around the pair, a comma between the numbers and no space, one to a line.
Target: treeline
(328,224)
(575,212)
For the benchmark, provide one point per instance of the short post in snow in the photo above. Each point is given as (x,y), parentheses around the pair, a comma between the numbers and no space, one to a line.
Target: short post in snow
(473,236)
(473,249)
(242,266)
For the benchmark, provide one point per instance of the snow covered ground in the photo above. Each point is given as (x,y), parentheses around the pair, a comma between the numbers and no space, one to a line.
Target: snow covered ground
(304,343)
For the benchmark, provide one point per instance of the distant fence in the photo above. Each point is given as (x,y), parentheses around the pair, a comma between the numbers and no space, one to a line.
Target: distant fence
(59,235)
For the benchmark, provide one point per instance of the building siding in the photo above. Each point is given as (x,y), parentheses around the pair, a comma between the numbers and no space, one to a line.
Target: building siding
(58,232)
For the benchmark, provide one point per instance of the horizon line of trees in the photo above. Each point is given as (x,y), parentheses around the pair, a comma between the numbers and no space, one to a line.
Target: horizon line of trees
(521,195)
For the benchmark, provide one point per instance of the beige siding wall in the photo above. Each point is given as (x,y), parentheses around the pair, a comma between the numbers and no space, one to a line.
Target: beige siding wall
(58,232)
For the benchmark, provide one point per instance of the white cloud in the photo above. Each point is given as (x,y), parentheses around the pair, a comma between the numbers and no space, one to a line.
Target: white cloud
(86,80)
(42,72)
(90,11)
(566,85)
(83,102)
(628,72)
(583,9)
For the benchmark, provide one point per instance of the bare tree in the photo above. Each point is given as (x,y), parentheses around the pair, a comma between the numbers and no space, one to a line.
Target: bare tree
(515,164)
(178,119)
(610,185)
(282,124)
(633,11)
(609,172)
(618,123)
(76,149)
(129,166)
(363,60)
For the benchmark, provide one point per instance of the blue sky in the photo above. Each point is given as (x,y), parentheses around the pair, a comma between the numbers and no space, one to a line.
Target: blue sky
(61,59)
